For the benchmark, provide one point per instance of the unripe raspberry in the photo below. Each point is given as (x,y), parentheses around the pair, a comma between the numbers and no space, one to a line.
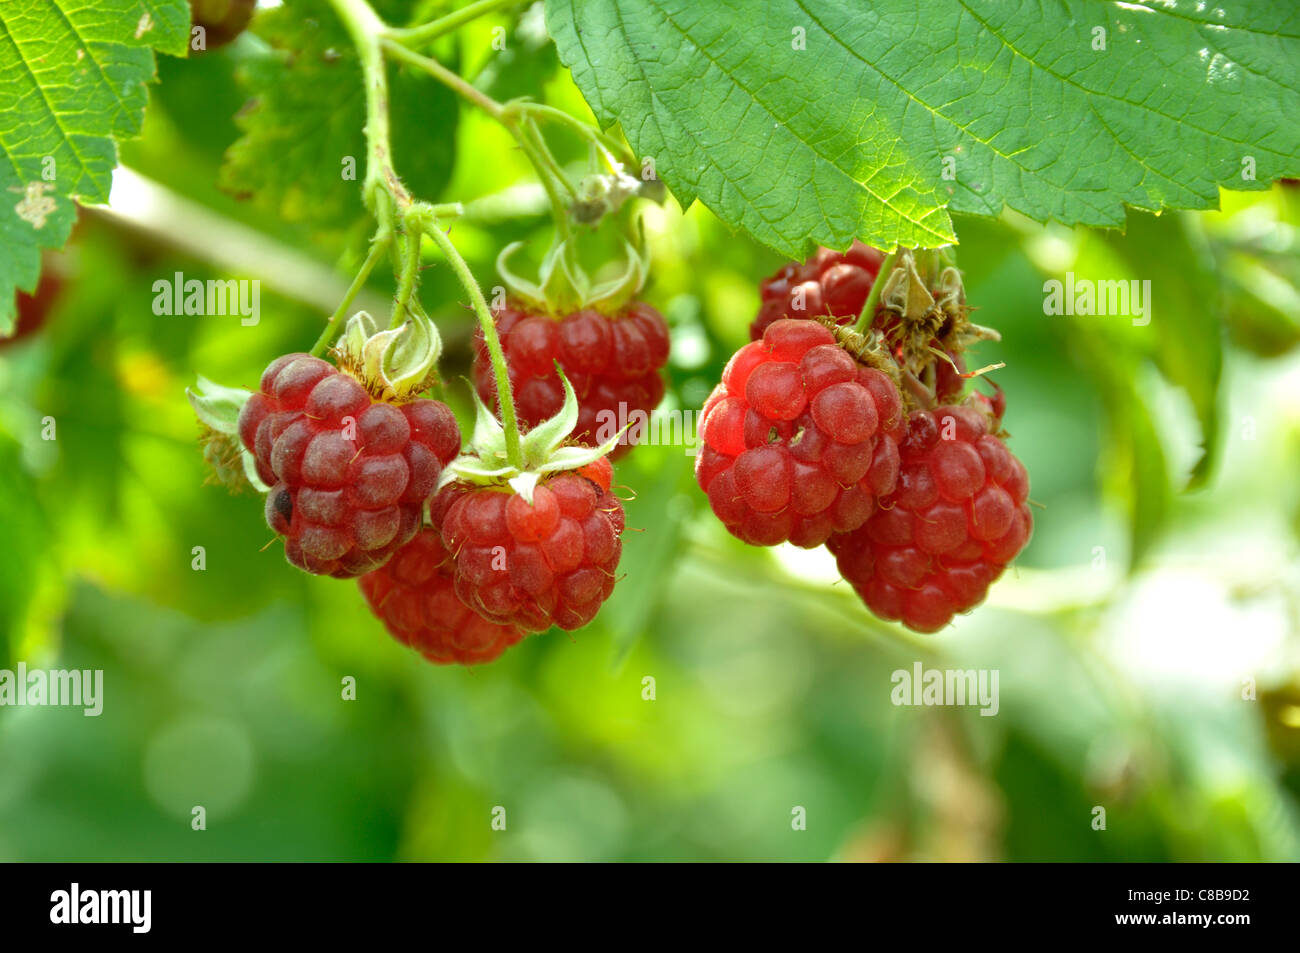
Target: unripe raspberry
(348,475)
(613,363)
(414,595)
(958,517)
(799,438)
(828,283)
(534,564)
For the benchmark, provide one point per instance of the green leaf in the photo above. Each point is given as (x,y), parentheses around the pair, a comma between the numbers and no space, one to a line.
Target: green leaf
(655,512)
(304,130)
(894,112)
(1187,313)
(1134,466)
(75,76)
(1263,307)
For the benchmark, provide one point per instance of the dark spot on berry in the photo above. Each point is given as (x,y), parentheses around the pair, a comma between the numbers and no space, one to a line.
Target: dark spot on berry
(283,504)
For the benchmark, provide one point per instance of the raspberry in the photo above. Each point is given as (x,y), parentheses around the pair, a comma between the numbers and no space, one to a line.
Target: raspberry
(828,282)
(612,362)
(799,439)
(348,475)
(414,595)
(535,564)
(222,20)
(957,518)
(33,309)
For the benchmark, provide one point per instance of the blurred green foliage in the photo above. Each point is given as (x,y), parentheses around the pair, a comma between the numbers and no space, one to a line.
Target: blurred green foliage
(1123,637)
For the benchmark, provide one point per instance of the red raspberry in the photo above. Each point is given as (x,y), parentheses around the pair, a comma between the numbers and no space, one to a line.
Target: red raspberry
(222,20)
(799,439)
(348,475)
(414,595)
(830,283)
(612,362)
(957,518)
(534,565)
(33,309)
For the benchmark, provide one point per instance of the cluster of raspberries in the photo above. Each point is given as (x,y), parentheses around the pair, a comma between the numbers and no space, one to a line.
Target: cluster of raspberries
(350,477)
(804,443)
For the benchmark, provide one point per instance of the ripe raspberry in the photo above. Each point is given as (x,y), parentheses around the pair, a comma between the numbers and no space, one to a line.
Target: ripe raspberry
(957,518)
(534,565)
(348,475)
(612,362)
(829,282)
(799,439)
(414,595)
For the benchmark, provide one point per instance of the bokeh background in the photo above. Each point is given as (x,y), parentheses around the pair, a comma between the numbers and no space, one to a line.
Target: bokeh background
(1146,641)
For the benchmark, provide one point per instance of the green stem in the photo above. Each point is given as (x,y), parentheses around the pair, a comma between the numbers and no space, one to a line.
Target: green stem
(428,32)
(378,248)
(928,264)
(611,146)
(367,31)
(538,157)
(868,312)
(530,129)
(510,119)
(443,75)
(447,210)
(410,270)
(505,398)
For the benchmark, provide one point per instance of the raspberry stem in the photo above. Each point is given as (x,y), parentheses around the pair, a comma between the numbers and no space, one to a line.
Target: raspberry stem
(505,397)
(413,231)
(441,73)
(428,32)
(868,312)
(613,150)
(547,172)
(378,248)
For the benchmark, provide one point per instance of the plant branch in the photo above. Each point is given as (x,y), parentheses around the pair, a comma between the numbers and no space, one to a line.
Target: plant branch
(367,30)
(417,36)
(608,144)
(448,78)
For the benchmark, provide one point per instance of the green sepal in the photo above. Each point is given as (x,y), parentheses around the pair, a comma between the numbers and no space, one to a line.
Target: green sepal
(486,461)
(563,285)
(219,407)
(393,364)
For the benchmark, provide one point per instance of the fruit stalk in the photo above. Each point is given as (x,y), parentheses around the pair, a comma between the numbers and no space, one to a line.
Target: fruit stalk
(378,248)
(868,313)
(505,398)
(428,32)
(547,173)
